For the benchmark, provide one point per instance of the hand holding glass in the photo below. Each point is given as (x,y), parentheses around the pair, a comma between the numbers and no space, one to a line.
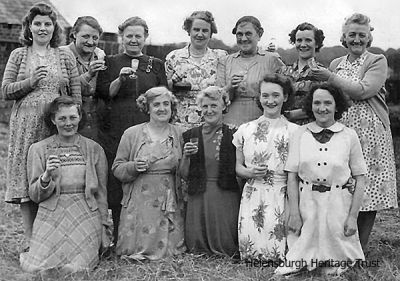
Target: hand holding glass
(192,146)
(134,66)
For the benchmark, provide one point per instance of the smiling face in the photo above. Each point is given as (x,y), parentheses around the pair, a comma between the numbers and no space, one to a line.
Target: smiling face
(133,39)
(305,44)
(212,109)
(66,119)
(247,38)
(323,108)
(357,37)
(272,99)
(160,109)
(200,34)
(42,29)
(86,39)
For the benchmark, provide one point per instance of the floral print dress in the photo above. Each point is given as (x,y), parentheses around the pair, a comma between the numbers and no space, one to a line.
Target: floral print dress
(261,226)
(199,73)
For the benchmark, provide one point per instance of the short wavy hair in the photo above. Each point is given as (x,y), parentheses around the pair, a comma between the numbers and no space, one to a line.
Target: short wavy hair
(88,20)
(340,100)
(40,9)
(55,105)
(202,15)
(250,19)
(133,21)
(214,93)
(318,34)
(358,19)
(287,86)
(145,99)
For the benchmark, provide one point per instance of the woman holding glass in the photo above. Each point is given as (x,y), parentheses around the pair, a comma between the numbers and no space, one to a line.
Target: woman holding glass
(208,166)
(128,75)
(85,35)
(193,68)
(361,75)
(147,161)
(34,76)
(241,73)
(67,176)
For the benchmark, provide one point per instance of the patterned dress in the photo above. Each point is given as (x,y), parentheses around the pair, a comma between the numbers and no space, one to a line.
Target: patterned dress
(323,170)
(302,83)
(151,225)
(262,208)
(27,124)
(70,236)
(376,143)
(199,73)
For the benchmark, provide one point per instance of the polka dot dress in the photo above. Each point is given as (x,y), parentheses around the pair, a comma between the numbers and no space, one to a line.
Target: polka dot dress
(377,145)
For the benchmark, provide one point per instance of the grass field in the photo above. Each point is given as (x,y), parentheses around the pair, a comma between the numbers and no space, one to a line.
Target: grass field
(384,248)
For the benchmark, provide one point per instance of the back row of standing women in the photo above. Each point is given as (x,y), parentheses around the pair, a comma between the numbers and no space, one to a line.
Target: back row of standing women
(110,86)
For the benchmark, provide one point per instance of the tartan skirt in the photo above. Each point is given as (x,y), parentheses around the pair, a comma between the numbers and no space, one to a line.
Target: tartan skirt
(67,238)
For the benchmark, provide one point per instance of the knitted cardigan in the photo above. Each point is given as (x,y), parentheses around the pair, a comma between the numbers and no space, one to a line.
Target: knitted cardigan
(227,162)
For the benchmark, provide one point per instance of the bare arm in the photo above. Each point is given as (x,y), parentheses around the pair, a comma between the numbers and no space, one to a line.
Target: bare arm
(295,222)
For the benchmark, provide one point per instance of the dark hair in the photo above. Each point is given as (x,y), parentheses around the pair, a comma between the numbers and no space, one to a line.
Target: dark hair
(318,34)
(340,100)
(253,20)
(287,86)
(133,21)
(88,20)
(145,99)
(358,19)
(55,105)
(40,9)
(202,15)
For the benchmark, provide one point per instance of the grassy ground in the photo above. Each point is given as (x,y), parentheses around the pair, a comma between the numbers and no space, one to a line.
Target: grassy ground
(384,248)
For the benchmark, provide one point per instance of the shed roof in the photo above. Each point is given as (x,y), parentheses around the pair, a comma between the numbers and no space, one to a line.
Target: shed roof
(12,11)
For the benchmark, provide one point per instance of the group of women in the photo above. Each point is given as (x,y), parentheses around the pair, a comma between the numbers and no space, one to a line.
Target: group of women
(200,154)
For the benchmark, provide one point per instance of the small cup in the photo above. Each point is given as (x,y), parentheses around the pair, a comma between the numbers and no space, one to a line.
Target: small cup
(194,141)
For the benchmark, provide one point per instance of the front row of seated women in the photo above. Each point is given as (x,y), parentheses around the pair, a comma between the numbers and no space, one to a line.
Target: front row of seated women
(320,158)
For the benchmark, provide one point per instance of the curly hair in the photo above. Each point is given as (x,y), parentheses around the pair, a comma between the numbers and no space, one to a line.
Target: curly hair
(287,86)
(318,34)
(133,21)
(214,93)
(88,20)
(340,100)
(55,105)
(358,19)
(144,100)
(40,9)
(202,15)
(250,19)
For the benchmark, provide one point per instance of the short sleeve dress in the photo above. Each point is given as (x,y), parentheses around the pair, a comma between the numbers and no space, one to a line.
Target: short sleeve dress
(323,170)
(262,208)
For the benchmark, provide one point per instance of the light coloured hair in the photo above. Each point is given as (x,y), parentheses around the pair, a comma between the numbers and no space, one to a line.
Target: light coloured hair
(358,19)
(145,99)
(214,93)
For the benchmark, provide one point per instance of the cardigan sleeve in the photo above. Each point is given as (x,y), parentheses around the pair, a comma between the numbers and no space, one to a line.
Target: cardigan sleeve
(11,88)
(36,166)
(73,75)
(369,85)
(123,167)
(101,194)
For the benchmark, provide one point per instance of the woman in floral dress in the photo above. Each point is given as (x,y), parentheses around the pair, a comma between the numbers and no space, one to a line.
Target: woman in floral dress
(146,163)
(193,68)
(34,76)
(261,152)
(361,75)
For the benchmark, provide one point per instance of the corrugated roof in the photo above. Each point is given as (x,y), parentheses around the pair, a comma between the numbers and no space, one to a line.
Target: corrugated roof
(12,11)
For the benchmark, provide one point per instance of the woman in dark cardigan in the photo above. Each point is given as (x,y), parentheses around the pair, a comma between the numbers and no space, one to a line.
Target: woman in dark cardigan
(209,168)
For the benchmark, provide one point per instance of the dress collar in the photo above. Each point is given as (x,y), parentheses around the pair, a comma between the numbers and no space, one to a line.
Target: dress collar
(259,52)
(314,128)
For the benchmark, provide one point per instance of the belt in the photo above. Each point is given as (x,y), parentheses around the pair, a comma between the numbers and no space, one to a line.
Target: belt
(72,191)
(320,187)
(159,172)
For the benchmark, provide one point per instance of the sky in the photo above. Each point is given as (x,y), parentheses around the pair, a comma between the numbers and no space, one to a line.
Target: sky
(165,17)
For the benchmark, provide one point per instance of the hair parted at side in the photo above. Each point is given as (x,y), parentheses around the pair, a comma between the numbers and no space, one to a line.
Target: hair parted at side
(40,9)
(145,99)
(340,100)
(133,21)
(358,19)
(202,15)
(250,19)
(318,34)
(88,20)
